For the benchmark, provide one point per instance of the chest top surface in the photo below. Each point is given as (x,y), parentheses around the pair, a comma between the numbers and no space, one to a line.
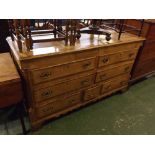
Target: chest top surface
(86,42)
(8,72)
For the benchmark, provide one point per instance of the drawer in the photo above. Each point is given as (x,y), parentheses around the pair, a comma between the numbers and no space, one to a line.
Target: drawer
(50,73)
(117,57)
(109,73)
(119,48)
(65,57)
(59,104)
(74,84)
(92,93)
(115,83)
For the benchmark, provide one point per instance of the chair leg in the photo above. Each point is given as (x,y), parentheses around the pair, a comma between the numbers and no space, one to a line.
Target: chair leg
(21,118)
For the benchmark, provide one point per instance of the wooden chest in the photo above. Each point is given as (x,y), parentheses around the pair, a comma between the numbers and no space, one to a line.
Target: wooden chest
(11,92)
(61,78)
(145,61)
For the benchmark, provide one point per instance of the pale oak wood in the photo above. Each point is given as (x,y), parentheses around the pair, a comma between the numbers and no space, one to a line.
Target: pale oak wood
(67,86)
(114,71)
(66,64)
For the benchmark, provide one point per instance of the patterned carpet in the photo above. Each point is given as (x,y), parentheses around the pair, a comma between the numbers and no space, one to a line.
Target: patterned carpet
(132,112)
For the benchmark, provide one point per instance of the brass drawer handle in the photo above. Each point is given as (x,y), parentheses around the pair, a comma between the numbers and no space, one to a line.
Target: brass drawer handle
(102,77)
(105,59)
(86,65)
(123,82)
(131,55)
(47,93)
(126,68)
(50,109)
(108,87)
(85,82)
(71,101)
(45,74)
(90,96)
(105,88)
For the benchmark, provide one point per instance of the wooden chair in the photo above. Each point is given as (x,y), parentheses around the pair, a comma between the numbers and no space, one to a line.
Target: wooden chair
(27,32)
(11,93)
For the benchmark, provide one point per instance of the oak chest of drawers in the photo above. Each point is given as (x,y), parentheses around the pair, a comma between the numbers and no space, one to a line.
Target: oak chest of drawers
(59,79)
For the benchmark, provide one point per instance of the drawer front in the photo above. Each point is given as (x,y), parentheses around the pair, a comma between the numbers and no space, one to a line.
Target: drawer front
(92,93)
(117,57)
(106,74)
(119,48)
(63,58)
(58,105)
(46,93)
(115,83)
(62,70)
